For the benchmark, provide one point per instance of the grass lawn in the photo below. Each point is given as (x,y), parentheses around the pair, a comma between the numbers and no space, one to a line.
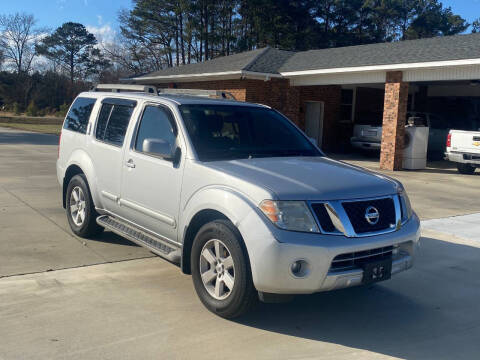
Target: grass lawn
(46,125)
(41,128)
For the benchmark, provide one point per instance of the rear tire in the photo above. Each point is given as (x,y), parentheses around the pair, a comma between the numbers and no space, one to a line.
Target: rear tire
(221,270)
(80,209)
(465,169)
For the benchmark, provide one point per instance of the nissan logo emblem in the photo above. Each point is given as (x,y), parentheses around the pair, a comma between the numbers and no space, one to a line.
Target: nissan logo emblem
(372,215)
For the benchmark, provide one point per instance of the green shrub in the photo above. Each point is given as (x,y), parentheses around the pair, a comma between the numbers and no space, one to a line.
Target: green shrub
(32,109)
(16,109)
(62,111)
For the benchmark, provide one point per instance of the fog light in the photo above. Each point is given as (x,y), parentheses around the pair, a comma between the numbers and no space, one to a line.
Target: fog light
(300,268)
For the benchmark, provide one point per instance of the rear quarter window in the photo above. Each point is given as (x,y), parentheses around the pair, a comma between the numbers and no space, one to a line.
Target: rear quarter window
(113,120)
(79,114)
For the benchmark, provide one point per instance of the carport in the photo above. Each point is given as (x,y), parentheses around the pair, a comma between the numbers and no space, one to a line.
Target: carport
(437,76)
(326,91)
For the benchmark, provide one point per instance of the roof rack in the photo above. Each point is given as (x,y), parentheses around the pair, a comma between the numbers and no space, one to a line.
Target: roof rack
(148,89)
(198,92)
(152,90)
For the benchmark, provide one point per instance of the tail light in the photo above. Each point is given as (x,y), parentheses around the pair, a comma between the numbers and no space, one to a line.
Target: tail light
(59,140)
(449,140)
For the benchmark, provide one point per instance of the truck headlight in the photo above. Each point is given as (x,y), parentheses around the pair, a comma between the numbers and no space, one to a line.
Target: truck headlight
(289,215)
(405,205)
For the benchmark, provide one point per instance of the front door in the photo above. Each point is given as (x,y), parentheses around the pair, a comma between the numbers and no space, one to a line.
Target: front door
(151,185)
(314,121)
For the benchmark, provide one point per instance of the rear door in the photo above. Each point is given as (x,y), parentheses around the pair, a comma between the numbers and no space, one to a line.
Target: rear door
(151,186)
(108,146)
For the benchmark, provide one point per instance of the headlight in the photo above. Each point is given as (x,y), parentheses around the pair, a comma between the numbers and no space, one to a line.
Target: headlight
(405,205)
(289,215)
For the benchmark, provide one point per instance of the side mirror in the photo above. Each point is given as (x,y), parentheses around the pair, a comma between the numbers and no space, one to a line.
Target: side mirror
(159,148)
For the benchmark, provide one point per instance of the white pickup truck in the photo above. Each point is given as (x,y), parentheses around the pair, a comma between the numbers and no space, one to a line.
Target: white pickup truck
(463,148)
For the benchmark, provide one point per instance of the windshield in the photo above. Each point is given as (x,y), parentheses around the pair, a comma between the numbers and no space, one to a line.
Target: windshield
(221,132)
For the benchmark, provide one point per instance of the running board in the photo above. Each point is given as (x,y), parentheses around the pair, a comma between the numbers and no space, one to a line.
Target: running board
(140,237)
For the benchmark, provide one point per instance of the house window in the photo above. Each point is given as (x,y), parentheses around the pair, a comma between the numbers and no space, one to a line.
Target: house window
(346,106)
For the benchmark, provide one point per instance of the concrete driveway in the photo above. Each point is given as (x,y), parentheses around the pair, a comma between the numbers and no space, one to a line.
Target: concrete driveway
(109,299)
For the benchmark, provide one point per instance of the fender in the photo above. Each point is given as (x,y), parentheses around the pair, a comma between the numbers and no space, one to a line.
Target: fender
(237,207)
(81,159)
(231,203)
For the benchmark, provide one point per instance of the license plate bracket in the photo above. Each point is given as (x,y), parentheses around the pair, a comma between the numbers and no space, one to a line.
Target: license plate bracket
(376,271)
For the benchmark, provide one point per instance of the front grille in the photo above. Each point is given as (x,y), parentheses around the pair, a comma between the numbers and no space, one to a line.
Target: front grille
(356,212)
(323,218)
(356,260)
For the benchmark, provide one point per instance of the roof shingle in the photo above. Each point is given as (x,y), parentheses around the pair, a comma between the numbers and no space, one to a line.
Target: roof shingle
(274,61)
(456,47)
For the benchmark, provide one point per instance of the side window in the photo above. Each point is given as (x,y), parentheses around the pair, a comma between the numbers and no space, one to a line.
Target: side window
(113,122)
(117,124)
(156,123)
(102,121)
(79,114)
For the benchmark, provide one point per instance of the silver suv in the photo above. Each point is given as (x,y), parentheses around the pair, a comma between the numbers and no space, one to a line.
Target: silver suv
(234,193)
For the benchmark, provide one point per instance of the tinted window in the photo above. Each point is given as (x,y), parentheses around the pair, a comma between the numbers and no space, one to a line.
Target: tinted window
(370,118)
(234,132)
(102,120)
(156,124)
(78,115)
(112,123)
(117,124)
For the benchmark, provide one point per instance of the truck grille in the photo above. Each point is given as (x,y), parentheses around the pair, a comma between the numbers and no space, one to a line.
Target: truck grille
(355,260)
(356,212)
(323,218)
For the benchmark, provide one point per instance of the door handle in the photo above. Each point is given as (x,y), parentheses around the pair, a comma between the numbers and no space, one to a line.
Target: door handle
(130,164)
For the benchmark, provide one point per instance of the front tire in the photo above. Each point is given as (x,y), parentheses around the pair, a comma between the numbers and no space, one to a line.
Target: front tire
(221,270)
(80,209)
(465,169)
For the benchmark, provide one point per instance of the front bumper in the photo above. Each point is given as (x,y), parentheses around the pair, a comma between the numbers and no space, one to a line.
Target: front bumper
(354,277)
(272,252)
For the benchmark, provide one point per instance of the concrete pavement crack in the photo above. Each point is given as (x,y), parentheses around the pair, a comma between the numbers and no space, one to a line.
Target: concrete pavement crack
(77,267)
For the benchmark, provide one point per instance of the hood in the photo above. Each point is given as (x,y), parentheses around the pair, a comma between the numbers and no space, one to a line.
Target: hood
(308,178)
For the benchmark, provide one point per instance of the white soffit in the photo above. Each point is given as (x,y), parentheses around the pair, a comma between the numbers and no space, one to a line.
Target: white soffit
(467,72)
(226,75)
(447,73)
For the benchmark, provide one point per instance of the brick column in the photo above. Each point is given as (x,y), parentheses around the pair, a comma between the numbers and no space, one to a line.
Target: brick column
(394,118)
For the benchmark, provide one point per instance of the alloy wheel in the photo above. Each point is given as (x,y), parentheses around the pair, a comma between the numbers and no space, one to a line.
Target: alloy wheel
(217,269)
(77,206)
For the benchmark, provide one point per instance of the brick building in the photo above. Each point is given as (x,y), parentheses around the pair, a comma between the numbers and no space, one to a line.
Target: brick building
(326,91)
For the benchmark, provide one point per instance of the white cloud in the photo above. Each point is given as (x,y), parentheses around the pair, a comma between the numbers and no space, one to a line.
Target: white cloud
(100,19)
(61,4)
(103,33)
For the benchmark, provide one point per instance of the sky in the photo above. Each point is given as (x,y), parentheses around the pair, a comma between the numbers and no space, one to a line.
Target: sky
(100,16)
